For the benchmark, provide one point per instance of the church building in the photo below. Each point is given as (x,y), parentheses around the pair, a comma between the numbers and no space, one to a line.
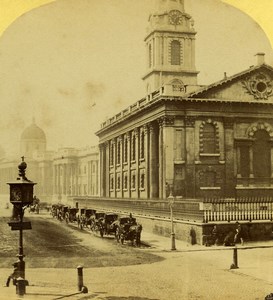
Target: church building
(194,141)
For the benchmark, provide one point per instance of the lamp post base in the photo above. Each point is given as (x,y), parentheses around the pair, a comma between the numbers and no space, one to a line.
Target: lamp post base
(173,241)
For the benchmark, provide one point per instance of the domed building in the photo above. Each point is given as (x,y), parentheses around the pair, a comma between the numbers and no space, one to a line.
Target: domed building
(33,140)
(59,175)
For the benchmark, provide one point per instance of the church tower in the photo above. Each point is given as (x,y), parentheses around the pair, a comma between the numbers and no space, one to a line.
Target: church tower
(170,47)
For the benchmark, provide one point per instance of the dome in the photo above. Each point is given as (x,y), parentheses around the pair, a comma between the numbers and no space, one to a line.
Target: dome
(33,132)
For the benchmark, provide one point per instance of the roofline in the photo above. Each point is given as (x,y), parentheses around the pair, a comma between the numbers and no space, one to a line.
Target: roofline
(230,78)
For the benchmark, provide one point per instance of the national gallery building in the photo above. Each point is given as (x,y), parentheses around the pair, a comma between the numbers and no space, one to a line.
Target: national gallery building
(212,141)
(60,175)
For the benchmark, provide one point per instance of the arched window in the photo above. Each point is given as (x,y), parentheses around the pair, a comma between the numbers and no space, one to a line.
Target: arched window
(261,154)
(175,53)
(209,138)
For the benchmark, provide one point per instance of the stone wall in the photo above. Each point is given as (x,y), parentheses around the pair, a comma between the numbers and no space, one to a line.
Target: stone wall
(198,233)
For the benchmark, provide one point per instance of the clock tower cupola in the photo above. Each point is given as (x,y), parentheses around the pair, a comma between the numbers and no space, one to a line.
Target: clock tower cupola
(170,47)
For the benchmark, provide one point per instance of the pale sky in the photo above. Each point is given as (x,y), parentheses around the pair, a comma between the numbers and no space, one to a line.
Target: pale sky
(72,63)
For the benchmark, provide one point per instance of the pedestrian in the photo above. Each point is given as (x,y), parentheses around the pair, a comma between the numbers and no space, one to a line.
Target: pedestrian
(215,235)
(14,275)
(228,239)
(238,234)
(193,236)
(168,190)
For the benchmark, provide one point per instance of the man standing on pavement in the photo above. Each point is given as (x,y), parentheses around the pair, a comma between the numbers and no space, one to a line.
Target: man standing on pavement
(238,234)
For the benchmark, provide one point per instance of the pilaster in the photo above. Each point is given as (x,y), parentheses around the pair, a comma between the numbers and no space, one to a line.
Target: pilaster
(190,151)
(137,161)
(229,157)
(153,164)
(166,156)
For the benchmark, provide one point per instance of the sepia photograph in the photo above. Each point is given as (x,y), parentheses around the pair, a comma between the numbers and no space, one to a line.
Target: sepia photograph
(136,154)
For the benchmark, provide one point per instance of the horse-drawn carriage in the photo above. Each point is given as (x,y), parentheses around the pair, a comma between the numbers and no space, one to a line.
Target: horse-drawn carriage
(62,210)
(56,210)
(97,222)
(71,215)
(109,224)
(35,205)
(128,230)
(84,217)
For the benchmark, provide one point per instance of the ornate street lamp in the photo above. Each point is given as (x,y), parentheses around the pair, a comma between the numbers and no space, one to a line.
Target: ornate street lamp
(21,196)
(171,203)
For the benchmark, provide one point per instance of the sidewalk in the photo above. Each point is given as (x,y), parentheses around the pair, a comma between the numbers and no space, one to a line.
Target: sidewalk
(161,243)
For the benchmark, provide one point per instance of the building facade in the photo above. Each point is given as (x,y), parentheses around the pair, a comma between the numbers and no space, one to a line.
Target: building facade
(197,142)
(60,175)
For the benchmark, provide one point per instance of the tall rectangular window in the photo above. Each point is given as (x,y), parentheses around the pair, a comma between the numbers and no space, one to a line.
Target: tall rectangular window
(175,53)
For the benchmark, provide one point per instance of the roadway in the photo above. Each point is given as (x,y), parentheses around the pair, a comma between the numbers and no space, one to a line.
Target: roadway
(190,272)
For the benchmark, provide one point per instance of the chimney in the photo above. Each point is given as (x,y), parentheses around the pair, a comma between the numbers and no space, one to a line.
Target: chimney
(260,58)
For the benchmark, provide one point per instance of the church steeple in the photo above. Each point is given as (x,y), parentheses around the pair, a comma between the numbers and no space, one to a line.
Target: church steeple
(170,44)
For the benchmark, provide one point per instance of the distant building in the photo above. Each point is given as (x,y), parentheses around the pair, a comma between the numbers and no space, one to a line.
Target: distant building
(76,173)
(59,174)
(198,142)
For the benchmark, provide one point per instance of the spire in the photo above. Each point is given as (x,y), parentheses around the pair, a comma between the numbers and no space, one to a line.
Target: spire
(170,43)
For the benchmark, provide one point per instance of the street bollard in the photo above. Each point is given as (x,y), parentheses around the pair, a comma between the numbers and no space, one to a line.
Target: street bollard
(81,287)
(20,286)
(234,265)
(80,278)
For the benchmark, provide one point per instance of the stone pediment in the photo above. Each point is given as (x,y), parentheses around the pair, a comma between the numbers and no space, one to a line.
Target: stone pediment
(251,86)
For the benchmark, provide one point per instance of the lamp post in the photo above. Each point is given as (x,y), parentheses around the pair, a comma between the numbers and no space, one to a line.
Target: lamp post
(171,203)
(21,195)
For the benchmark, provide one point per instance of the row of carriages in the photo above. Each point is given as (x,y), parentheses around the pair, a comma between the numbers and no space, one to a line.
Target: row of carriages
(123,228)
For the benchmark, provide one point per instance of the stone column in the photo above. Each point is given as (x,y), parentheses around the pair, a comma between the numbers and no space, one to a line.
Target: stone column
(251,172)
(137,161)
(167,148)
(114,165)
(59,180)
(64,179)
(121,164)
(146,158)
(238,159)
(160,160)
(129,164)
(103,170)
(229,158)
(67,180)
(153,163)
(107,169)
(54,180)
(190,189)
